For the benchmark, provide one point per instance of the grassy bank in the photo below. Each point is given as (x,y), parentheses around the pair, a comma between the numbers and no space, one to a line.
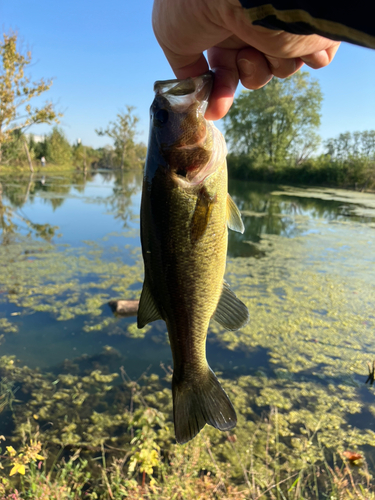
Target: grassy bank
(49,168)
(322,171)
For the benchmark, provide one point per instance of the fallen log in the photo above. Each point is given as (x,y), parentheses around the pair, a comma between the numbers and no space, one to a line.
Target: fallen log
(124,307)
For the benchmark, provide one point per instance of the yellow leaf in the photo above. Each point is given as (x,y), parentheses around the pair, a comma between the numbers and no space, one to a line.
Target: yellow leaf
(39,457)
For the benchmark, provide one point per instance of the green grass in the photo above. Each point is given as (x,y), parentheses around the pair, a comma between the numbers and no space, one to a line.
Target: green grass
(184,472)
(49,168)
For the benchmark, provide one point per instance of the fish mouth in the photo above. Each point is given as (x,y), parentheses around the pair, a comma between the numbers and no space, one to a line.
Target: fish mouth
(190,154)
(181,94)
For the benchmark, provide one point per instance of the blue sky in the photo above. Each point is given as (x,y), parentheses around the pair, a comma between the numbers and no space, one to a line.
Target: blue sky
(103,55)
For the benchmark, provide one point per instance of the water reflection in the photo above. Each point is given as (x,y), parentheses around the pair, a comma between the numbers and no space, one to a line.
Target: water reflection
(67,205)
(283,214)
(263,211)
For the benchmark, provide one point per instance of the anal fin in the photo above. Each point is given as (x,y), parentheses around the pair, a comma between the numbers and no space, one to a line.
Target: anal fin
(147,310)
(231,313)
(234,219)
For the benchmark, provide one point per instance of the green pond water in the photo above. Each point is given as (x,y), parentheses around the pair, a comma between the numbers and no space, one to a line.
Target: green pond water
(304,266)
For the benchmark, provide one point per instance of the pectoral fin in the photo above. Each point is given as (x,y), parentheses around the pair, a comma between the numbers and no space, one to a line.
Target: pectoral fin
(147,310)
(234,219)
(231,313)
(202,212)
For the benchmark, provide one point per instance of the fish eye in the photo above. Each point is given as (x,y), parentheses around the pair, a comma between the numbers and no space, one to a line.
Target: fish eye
(161,116)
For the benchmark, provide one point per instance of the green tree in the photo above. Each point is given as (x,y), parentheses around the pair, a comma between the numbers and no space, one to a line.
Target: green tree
(57,149)
(348,146)
(85,156)
(16,90)
(277,122)
(123,132)
(13,150)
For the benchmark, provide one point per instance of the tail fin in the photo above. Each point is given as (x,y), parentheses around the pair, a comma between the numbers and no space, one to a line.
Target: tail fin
(198,403)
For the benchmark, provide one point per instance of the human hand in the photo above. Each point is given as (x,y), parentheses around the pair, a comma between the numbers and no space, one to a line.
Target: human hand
(236,49)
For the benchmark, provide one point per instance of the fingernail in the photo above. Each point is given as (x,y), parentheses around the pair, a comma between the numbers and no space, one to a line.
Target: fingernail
(274,62)
(246,67)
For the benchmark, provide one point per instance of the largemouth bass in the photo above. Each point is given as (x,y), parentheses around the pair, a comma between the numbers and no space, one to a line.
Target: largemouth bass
(185,213)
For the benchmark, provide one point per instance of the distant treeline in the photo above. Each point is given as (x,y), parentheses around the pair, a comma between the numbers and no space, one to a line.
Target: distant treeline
(354,145)
(56,150)
(348,161)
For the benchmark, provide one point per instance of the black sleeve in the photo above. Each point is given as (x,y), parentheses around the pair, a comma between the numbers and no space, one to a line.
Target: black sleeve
(331,19)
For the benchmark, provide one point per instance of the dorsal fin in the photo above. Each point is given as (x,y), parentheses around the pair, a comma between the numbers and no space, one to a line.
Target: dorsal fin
(231,313)
(234,219)
(147,310)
